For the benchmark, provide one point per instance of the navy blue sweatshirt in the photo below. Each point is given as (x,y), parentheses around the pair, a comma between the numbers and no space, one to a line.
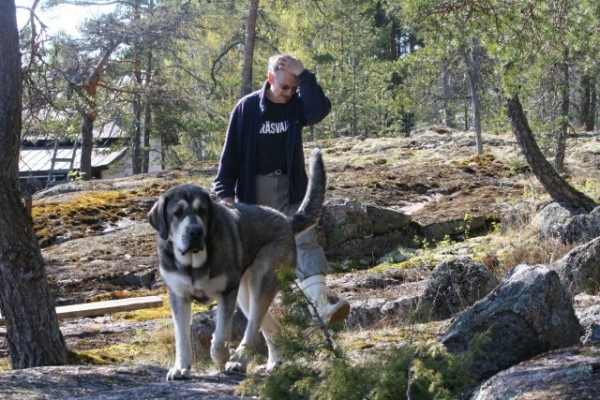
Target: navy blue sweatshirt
(237,167)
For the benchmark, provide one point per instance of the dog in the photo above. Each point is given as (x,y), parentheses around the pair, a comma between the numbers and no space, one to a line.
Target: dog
(209,250)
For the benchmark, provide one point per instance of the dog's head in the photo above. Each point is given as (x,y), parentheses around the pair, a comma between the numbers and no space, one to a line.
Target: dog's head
(182,215)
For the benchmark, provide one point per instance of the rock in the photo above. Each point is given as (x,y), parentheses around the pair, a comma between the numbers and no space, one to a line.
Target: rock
(385,220)
(113,383)
(529,313)
(572,374)
(568,223)
(583,227)
(392,257)
(401,309)
(452,287)
(348,229)
(372,247)
(552,219)
(365,313)
(344,220)
(439,230)
(368,313)
(587,309)
(142,279)
(579,269)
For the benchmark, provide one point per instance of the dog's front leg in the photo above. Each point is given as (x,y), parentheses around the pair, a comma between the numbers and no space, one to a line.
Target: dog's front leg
(225,309)
(181,310)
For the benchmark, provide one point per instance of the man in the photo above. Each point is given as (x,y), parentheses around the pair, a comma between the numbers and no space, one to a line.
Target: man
(263,162)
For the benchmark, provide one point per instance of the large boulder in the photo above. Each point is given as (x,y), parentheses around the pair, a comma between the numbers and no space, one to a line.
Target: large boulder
(344,220)
(452,287)
(583,227)
(568,223)
(572,374)
(529,313)
(351,230)
(579,269)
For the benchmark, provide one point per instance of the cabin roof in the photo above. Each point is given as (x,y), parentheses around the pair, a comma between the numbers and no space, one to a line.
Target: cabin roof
(37,161)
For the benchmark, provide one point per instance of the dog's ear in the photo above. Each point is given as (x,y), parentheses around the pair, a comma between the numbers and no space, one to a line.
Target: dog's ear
(158,217)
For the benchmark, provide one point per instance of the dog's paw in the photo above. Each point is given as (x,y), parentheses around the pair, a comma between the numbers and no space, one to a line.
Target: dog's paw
(267,368)
(238,363)
(219,354)
(178,374)
(272,366)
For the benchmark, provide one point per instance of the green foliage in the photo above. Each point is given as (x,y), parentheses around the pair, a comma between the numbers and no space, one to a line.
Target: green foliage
(315,369)
(426,372)
(467,221)
(76,175)
(437,374)
(291,381)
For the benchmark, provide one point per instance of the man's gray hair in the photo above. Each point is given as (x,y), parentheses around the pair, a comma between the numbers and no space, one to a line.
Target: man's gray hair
(274,65)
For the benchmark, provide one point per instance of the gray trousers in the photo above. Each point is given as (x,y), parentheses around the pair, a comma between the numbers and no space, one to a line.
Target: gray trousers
(273,191)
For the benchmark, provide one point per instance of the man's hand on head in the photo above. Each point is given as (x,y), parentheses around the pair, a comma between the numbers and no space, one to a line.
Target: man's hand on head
(291,65)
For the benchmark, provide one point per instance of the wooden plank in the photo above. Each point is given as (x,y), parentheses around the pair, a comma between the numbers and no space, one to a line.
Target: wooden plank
(104,307)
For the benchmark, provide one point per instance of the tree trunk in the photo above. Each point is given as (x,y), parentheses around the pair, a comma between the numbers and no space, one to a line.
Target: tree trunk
(136,154)
(147,122)
(559,189)
(249,48)
(147,115)
(33,336)
(89,113)
(591,121)
(447,113)
(584,104)
(563,126)
(474,78)
(587,116)
(87,144)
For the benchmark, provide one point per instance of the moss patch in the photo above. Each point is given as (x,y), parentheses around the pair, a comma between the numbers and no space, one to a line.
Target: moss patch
(91,213)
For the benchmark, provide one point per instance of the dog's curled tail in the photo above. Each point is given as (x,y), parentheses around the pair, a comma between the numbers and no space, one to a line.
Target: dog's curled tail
(309,212)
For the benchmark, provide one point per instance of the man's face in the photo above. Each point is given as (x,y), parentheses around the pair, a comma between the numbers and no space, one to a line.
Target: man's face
(283,86)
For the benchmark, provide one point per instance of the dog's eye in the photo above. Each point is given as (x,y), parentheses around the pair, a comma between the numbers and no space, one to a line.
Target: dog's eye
(178,212)
(201,210)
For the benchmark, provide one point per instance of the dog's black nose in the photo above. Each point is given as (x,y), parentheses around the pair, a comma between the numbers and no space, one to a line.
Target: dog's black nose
(195,232)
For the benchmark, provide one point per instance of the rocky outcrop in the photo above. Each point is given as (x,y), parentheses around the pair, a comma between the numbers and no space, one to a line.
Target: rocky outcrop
(529,313)
(454,286)
(568,223)
(572,374)
(351,230)
(579,269)
(113,383)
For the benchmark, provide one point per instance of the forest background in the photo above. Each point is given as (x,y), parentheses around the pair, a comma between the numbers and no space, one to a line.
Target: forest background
(172,70)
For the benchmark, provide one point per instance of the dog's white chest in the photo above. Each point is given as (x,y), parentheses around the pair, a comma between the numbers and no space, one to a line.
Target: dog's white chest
(185,286)
(196,260)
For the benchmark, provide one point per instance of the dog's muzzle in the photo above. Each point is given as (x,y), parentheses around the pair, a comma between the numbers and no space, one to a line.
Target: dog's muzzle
(193,240)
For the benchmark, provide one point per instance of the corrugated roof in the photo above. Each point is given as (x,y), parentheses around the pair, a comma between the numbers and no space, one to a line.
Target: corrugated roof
(109,130)
(36,161)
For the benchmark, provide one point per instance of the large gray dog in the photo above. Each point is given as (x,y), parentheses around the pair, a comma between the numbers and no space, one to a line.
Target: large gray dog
(213,251)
